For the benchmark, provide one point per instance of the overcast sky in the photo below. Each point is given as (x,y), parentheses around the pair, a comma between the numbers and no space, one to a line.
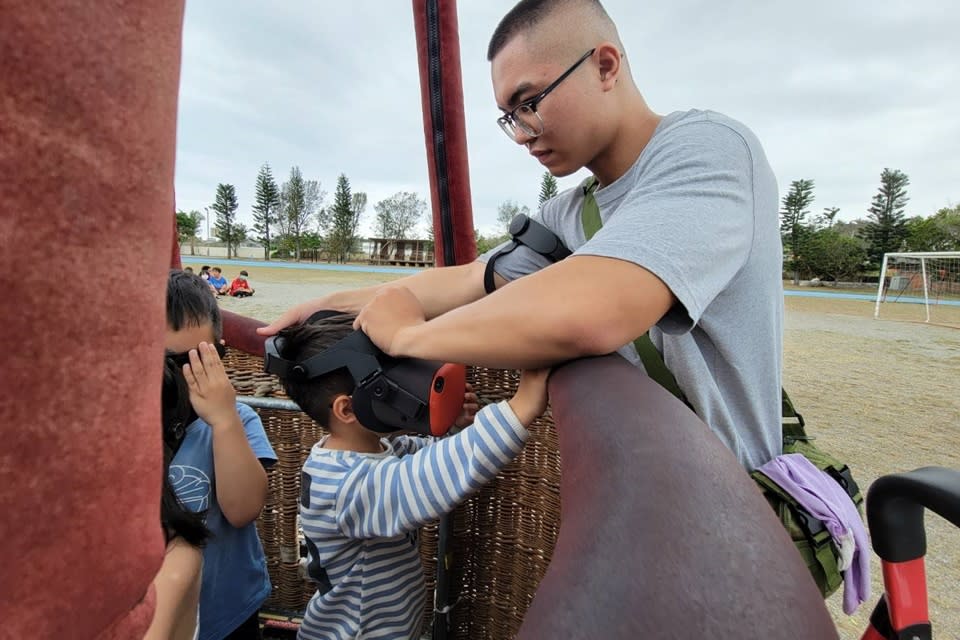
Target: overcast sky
(836,90)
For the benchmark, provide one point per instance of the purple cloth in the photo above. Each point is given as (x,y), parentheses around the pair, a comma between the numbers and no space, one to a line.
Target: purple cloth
(826,500)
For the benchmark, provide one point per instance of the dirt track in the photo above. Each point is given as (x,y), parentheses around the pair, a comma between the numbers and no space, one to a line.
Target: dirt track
(881,394)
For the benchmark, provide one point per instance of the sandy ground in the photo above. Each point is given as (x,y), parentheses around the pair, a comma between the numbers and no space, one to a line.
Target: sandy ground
(882,395)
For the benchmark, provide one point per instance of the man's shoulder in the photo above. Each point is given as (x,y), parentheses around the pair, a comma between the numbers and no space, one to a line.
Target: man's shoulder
(704,125)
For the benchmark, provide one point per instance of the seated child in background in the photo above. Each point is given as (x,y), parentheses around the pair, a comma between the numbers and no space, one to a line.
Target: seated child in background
(240,288)
(364,497)
(217,281)
(219,467)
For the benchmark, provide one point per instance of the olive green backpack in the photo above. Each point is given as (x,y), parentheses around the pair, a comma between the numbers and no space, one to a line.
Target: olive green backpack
(809,534)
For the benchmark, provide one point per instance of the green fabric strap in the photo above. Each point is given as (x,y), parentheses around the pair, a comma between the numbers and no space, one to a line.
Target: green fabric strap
(590,212)
(649,355)
(818,550)
(651,358)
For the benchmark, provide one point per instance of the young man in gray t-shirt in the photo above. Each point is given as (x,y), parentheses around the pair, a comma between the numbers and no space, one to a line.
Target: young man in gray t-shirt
(689,248)
(698,209)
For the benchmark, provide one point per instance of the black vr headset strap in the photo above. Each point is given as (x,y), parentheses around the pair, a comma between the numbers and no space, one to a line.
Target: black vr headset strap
(527,232)
(356,353)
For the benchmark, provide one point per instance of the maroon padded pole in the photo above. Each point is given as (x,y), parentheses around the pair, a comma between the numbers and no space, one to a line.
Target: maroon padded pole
(663,534)
(88,107)
(441,92)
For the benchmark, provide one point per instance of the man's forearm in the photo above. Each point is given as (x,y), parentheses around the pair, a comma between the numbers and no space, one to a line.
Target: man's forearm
(583,306)
(438,290)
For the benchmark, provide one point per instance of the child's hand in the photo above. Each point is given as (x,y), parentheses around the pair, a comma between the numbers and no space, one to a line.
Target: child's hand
(471,404)
(530,400)
(211,393)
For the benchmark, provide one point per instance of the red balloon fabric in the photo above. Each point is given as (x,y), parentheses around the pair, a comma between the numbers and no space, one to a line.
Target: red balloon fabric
(87,134)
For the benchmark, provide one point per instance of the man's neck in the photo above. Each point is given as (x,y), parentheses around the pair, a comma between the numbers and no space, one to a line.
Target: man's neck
(629,141)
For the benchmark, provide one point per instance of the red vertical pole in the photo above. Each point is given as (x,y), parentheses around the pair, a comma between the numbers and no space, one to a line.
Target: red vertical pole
(441,91)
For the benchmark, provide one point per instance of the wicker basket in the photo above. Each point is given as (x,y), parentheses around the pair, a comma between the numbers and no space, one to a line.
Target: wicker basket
(502,538)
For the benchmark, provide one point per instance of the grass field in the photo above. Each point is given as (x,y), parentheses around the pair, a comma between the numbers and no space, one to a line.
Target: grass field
(882,395)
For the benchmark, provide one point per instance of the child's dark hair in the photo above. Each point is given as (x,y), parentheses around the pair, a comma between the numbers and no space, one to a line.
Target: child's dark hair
(303,341)
(175,518)
(191,303)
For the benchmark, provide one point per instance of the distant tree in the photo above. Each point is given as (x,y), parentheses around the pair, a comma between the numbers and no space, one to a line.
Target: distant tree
(344,220)
(358,205)
(313,199)
(548,187)
(831,255)
(266,207)
(300,200)
(238,235)
(795,207)
(939,232)
(485,243)
(851,229)
(886,230)
(398,214)
(826,219)
(188,226)
(225,204)
(311,241)
(507,211)
(923,234)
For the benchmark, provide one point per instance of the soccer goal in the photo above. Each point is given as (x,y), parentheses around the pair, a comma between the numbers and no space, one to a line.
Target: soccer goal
(926,283)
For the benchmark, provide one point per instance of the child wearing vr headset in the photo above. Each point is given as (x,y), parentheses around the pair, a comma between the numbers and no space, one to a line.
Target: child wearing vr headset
(363,497)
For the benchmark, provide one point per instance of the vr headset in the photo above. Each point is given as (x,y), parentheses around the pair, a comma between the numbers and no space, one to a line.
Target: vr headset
(391,394)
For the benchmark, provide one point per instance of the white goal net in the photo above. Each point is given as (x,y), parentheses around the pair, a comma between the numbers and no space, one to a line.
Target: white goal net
(921,287)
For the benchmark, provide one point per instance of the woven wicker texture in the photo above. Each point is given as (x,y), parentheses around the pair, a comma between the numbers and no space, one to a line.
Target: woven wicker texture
(503,537)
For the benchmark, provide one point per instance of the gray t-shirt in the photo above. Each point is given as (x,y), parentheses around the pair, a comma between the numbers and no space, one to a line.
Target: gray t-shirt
(699,209)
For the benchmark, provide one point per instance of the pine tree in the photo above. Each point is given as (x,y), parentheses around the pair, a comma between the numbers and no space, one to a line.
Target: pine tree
(340,240)
(266,207)
(795,208)
(886,231)
(225,205)
(548,187)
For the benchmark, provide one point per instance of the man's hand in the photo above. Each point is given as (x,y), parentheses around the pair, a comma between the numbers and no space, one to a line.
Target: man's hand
(391,310)
(296,315)
(211,394)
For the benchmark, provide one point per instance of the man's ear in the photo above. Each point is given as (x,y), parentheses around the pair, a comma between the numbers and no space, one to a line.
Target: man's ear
(342,409)
(610,62)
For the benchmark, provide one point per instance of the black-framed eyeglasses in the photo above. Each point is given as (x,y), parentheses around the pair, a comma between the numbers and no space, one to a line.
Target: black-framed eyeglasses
(180,359)
(524,116)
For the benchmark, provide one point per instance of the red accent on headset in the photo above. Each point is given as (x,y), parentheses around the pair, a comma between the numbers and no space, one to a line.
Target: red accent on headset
(447,402)
(906,587)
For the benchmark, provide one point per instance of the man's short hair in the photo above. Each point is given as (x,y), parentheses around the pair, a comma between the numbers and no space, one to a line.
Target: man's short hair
(528,14)
(190,303)
(303,341)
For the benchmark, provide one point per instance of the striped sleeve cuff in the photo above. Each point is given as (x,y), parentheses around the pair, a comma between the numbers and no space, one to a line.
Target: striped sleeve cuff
(500,418)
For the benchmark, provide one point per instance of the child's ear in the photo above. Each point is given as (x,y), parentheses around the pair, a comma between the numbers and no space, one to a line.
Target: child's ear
(342,408)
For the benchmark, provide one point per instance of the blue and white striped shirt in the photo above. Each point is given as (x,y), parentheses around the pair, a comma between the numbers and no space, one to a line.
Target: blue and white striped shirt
(360,513)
